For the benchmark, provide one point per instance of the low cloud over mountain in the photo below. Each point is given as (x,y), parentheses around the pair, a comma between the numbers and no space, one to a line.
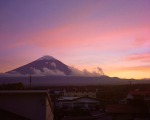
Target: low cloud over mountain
(49,66)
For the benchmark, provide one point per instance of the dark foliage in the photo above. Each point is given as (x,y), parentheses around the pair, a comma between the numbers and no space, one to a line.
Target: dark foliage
(14,86)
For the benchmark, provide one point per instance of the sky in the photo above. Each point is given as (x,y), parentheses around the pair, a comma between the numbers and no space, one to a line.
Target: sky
(111,34)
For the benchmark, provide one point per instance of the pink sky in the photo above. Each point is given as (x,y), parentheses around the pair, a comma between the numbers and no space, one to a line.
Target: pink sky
(113,35)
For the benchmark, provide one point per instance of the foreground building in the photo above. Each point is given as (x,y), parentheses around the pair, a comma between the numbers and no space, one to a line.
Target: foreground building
(25,105)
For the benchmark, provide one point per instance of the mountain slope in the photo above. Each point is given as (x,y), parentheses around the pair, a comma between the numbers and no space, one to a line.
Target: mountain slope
(46,65)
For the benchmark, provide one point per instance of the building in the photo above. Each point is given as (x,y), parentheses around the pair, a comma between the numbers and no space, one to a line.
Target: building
(127,112)
(85,103)
(80,92)
(136,106)
(26,105)
(139,97)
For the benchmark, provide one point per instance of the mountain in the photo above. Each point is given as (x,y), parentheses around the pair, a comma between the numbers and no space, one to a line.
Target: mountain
(49,71)
(46,65)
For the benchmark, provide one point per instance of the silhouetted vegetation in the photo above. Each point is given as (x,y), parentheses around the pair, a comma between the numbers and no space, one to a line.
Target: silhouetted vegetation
(14,86)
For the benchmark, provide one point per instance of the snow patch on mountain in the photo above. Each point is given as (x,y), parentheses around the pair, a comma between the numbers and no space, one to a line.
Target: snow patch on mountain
(46,58)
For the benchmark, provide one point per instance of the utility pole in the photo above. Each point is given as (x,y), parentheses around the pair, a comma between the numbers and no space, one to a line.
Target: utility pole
(30,81)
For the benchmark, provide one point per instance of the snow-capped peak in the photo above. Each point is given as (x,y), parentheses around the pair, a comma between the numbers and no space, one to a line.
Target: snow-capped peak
(46,58)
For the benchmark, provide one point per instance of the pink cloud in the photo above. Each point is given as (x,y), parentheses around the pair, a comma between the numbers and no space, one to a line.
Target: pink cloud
(86,36)
(139,42)
(81,32)
(139,57)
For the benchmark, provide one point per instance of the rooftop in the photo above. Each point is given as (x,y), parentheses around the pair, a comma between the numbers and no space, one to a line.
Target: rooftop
(23,91)
(138,92)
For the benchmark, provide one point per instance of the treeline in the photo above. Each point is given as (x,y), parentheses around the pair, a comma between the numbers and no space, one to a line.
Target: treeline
(13,86)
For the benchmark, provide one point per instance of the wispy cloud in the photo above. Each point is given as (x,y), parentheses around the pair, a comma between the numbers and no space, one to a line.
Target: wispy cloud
(139,42)
(139,57)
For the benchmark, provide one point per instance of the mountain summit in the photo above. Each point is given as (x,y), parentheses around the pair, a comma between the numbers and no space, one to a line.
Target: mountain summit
(46,57)
(46,65)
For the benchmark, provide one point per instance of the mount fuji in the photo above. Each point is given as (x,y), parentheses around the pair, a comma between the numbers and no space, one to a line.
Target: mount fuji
(46,65)
(47,70)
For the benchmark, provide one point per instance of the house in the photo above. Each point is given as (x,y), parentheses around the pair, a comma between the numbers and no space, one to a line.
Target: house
(136,106)
(139,97)
(26,105)
(127,112)
(86,103)
(80,92)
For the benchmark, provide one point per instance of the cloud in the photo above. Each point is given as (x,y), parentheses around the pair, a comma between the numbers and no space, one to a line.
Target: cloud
(53,72)
(12,74)
(37,72)
(47,71)
(142,41)
(100,70)
(84,72)
(88,36)
(139,57)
